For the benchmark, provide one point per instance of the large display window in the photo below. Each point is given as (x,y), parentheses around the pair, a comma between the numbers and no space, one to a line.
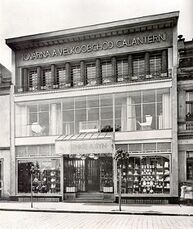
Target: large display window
(189,165)
(146,175)
(143,110)
(131,111)
(46,177)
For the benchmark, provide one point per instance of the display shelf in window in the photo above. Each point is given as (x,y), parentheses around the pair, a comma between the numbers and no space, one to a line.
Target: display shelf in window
(147,175)
(106,175)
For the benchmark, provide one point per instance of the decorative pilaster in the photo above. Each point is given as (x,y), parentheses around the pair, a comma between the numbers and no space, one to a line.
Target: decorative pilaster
(68,74)
(39,78)
(147,64)
(98,71)
(25,79)
(82,73)
(164,62)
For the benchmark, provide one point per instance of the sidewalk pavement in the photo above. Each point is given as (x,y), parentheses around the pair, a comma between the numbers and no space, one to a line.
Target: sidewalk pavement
(98,208)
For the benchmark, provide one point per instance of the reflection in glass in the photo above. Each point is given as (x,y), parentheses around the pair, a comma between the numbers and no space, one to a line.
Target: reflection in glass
(46,178)
(146,175)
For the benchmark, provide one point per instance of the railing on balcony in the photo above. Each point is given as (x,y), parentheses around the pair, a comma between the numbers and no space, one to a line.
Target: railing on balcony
(97,81)
(89,126)
(189,125)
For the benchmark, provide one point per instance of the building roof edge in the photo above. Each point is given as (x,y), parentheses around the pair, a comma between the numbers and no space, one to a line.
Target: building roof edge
(11,42)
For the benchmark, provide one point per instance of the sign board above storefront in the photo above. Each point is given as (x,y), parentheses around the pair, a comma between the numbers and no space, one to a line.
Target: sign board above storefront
(99,146)
(93,47)
(73,50)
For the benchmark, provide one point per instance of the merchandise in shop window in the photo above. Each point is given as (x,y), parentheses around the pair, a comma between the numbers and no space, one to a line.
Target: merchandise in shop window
(106,174)
(45,178)
(146,175)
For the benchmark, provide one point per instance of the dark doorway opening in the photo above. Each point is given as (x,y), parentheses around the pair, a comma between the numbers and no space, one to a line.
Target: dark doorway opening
(92,175)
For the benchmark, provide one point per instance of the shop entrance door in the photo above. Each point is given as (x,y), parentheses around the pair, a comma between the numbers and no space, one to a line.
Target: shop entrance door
(93,180)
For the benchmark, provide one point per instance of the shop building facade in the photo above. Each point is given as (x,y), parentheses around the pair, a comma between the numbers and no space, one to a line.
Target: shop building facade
(185,117)
(80,94)
(5,82)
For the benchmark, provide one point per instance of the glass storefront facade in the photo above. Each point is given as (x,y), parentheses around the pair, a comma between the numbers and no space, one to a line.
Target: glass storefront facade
(146,174)
(88,174)
(132,111)
(46,177)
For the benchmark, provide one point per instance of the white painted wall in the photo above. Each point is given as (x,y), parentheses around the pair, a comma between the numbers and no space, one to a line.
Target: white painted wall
(4,121)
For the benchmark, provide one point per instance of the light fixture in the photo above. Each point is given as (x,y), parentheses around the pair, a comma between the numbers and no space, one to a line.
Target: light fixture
(83,157)
(96,157)
(78,156)
(91,155)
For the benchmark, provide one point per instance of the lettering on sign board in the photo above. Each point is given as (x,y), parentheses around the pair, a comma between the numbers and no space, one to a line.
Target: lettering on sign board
(94,47)
(86,147)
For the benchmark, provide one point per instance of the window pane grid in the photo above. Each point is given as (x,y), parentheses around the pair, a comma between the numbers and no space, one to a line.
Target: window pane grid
(122,68)
(46,79)
(33,79)
(76,75)
(155,64)
(138,66)
(61,76)
(106,72)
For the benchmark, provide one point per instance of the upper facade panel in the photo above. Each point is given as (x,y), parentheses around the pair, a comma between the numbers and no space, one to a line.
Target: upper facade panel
(126,36)
(123,51)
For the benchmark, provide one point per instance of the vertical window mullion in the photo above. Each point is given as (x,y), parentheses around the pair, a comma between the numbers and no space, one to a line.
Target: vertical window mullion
(74,115)
(100,111)
(62,121)
(141,106)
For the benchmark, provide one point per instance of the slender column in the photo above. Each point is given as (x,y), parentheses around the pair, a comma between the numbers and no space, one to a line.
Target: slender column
(82,72)
(130,66)
(114,69)
(147,64)
(68,73)
(39,78)
(164,62)
(98,71)
(25,79)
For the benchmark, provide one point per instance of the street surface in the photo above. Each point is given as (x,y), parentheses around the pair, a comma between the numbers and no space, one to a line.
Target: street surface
(42,220)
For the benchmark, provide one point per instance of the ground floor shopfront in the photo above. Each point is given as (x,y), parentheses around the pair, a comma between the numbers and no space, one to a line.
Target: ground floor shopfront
(4,173)
(84,164)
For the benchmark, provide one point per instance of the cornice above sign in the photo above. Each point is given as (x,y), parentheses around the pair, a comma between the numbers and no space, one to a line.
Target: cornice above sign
(88,32)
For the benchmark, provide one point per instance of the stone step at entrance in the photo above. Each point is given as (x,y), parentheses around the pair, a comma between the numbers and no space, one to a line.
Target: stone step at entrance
(92,197)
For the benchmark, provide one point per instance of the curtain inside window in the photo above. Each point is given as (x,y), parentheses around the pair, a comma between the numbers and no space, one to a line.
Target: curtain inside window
(131,115)
(166,123)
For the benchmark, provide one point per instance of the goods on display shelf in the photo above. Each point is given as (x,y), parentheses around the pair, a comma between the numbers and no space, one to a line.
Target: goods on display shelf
(146,175)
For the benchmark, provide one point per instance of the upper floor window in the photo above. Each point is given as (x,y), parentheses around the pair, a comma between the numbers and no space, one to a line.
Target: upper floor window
(155,63)
(76,75)
(189,106)
(61,76)
(107,72)
(32,80)
(91,74)
(39,119)
(122,69)
(46,79)
(138,66)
